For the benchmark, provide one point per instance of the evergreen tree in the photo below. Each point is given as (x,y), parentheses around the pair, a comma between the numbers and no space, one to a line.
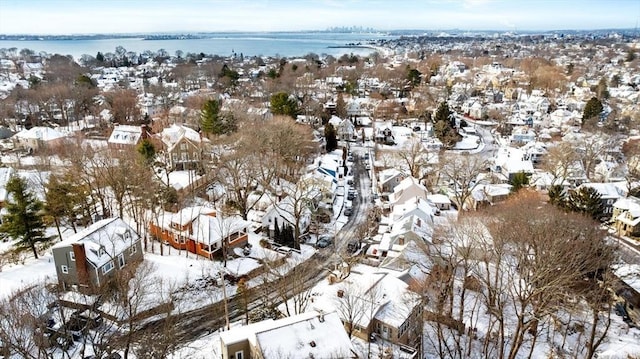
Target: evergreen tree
(557,196)
(64,199)
(413,77)
(276,232)
(24,216)
(147,150)
(444,126)
(287,236)
(586,200)
(212,122)
(331,137)
(592,111)
(283,104)
(519,181)
(100,57)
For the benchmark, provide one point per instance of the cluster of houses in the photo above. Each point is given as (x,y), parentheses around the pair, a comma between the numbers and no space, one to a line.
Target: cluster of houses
(394,258)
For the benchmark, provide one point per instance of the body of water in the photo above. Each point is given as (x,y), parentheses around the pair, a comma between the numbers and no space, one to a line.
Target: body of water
(224,44)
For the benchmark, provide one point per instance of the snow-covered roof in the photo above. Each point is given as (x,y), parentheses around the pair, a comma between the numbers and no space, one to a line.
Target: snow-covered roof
(126,135)
(438,198)
(630,204)
(210,230)
(607,189)
(513,160)
(380,287)
(630,274)
(406,190)
(310,335)
(103,240)
(174,133)
(40,133)
(483,191)
(188,214)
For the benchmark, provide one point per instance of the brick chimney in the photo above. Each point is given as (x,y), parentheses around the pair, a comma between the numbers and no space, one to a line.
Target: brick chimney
(81,264)
(144,132)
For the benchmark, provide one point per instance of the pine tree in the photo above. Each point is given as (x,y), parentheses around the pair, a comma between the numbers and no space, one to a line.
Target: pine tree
(24,218)
(413,77)
(588,201)
(592,111)
(147,150)
(519,181)
(212,122)
(283,104)
(557,196)
(444,124)
(276,232)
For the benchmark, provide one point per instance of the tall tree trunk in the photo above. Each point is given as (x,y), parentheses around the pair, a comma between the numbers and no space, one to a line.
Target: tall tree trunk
(33,248)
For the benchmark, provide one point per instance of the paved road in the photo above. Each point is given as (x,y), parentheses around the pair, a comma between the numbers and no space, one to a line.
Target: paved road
(198,322)
(361,204)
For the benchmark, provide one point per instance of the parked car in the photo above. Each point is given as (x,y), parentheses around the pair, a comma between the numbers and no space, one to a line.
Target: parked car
(324,241)
(353,246)
(348,211)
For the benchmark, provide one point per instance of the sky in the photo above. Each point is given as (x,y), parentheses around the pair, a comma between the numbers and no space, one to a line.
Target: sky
(146,16)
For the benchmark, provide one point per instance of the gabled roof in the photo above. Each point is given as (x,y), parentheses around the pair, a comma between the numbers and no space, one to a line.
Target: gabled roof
(630,204)
(172,135)
(284,209)
(313,335)
(381,288)
(483,191)
(608,190)
(126,135)
(404,189)
(103,241)
(40,133)
(307,335)
(210,230)
(188,214)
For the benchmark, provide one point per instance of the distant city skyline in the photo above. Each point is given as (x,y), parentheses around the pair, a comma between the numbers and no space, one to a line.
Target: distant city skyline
(62,17)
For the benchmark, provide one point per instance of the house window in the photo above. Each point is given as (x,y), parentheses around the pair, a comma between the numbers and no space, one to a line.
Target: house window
(133,249)
(185,156)
(121,260)
(64,269)
(240,355)
(127,235)
(101,252)
(72,256)
(107,267)
(183,146)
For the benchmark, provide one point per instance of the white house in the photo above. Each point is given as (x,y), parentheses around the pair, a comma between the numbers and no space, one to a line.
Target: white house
(37,138)
(409,189)
(314,334)
(287,212)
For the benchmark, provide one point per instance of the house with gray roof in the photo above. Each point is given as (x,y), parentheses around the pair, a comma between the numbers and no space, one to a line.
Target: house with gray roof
(87,260)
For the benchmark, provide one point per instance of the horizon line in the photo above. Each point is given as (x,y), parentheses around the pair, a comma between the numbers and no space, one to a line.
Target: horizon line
(330,30)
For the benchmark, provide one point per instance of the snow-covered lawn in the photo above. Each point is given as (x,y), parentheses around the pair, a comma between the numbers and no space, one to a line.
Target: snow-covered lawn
(33,271)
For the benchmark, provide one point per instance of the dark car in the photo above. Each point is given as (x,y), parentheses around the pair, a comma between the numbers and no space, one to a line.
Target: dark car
(353,246)
(348,211)
(324,242)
